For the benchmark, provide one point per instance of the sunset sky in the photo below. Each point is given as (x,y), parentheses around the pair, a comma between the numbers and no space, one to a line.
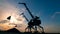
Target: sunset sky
(47,10)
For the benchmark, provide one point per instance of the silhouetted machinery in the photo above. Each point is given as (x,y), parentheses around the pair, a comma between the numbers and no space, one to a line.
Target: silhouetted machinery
(35,21)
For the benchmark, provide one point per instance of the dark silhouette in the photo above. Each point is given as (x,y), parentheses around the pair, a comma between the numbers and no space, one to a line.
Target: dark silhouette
(14,30)
(34,21)
(11,31)
(30,26)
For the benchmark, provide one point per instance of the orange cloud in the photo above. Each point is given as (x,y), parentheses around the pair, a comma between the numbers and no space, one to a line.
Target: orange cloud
(6,9)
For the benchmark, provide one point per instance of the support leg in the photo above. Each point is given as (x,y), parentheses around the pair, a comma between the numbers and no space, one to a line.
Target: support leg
(35,28)
(42,29)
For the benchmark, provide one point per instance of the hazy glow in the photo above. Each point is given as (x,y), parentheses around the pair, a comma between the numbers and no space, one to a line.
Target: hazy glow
(6,26)
(13,19)
(6,9)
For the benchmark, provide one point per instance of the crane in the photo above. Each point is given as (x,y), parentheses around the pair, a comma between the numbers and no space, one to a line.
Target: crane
(35,20)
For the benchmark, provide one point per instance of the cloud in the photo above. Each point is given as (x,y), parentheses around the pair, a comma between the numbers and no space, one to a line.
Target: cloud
(55,14)
(7,9)
(4,21)
(4,25)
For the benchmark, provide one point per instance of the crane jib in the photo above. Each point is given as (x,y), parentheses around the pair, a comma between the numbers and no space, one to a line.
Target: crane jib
(27,9)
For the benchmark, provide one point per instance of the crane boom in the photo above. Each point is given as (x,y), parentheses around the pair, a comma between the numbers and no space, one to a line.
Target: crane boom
(27,9)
